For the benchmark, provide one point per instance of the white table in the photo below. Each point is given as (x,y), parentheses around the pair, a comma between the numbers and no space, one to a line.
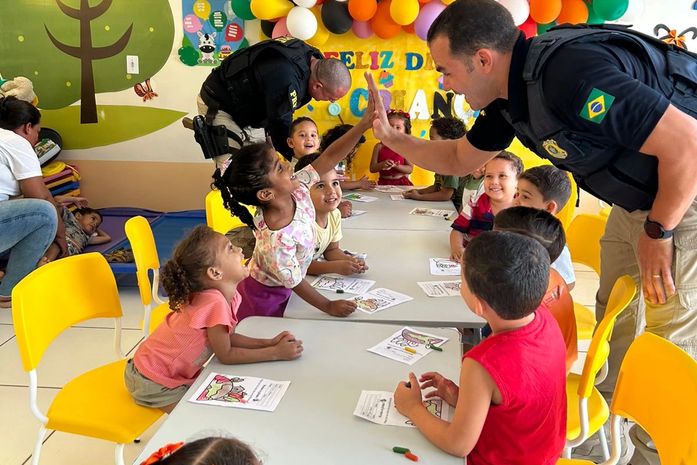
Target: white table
(387,214)
(397,260)
(314,423)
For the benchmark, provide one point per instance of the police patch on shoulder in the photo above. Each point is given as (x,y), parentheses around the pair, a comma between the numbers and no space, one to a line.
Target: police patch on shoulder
(597,105)
(293,98)
(553,149)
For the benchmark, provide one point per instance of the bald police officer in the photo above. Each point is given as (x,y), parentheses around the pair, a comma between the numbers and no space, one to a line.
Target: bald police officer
(618,111)
(255,91)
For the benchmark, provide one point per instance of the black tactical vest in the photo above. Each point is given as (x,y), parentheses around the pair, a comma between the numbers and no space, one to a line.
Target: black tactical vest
(614,174)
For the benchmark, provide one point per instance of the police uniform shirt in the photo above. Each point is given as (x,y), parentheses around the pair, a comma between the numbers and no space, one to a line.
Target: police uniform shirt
(603,90)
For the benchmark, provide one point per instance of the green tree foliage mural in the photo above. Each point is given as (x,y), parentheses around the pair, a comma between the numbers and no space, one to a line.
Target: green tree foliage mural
(74,49)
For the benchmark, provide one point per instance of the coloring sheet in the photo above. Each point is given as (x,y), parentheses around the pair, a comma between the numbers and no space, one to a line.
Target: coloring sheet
(392,189)
(357,213)
(441,288)
(379,299)
(447,214)
(444,267)
(407,345)
(378,407)
(397,197)
(240,392)
(345,283)
(359,197)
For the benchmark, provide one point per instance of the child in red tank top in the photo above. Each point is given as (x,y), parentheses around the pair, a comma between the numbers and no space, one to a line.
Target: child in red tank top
(394,169)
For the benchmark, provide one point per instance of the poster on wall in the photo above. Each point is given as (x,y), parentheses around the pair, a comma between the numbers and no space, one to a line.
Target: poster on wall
(212,32)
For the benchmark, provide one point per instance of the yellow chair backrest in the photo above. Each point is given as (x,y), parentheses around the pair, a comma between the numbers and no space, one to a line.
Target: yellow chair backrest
(622,294)
(142,241)
(58,295)
(218,218)
(657,388)
(583,239)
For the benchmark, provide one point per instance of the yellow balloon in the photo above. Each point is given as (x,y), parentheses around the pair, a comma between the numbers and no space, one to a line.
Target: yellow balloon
(404,12)
(270,9)
(447,2)
(202,9)
(322,34)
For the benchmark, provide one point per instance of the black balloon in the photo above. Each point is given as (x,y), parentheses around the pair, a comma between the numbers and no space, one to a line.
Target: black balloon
(267,27)
(336,17)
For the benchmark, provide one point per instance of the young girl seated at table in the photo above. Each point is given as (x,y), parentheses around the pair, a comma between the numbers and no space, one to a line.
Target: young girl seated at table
(303,138)
(284,222)
(205,451)
(326,195)
(201,280)
(345,168)
(510,405)
(394,169)
(500,181)
(444,187)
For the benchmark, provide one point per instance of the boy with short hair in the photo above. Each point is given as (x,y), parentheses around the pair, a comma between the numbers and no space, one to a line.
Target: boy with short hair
(81,230)
(548,188)
(548,231)
(510,407)
(326,195)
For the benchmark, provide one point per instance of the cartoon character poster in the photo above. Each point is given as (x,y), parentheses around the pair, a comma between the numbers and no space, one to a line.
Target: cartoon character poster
(240,392)
(212,32)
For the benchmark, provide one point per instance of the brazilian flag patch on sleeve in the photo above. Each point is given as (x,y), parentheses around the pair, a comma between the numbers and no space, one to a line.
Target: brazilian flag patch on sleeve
(596,106)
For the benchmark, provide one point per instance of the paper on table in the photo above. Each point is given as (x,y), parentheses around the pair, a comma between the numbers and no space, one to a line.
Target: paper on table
(240,392)
(359,197)
(392,189)
(378,407)
(447,214)
(379,299)
(441,288)
(345,283)
(397,197)
(444,267)
(357,213)
(395,346)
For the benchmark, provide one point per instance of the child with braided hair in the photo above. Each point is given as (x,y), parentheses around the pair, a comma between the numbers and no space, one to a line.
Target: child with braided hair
(284,223)
(201,280)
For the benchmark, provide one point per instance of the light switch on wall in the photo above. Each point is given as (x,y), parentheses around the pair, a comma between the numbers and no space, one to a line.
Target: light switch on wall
(132,64)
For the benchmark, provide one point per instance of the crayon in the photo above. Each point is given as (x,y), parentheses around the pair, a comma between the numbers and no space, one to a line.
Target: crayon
(410,350)
(400,450)
(411,457)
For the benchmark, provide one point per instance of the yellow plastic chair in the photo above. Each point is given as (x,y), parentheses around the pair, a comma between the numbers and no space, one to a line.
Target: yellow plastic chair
(566,214)
(583,239)
(96,403)
(218,218)
(586,408)
(656,388)
(142,241)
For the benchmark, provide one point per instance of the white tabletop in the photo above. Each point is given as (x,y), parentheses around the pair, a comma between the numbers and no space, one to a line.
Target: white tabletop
(314,423)
(387,214)
(397,260)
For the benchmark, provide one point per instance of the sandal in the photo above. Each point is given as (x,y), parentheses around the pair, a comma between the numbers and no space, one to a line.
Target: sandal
(5,302)
(120,255)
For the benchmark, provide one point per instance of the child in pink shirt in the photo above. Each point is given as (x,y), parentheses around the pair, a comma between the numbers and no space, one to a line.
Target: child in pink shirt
(201,280)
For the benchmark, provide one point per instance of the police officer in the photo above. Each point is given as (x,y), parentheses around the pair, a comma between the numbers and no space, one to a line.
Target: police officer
(259,87)
(615,109)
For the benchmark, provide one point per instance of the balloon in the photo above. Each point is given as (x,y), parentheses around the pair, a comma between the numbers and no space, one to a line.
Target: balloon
(218,20)
(301,23)
(610,10)
(542,28)
(361,29)
(280,29)
(424,1)
(362,10)
(252,31)
(305,3)
(382,23)
(428,14)
(519,9)
(242,9)
(336,17)
(545,11)
(573,12)
(322,34)
(404,12)
(270,9)
(593,17)
(529,28)
(409,28)
(202,9)
(635,10)
(192,23)
(267,27)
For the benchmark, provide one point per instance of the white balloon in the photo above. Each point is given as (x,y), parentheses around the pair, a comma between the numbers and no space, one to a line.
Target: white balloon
(305,3)
(519,9)
(252,31)
(301,23)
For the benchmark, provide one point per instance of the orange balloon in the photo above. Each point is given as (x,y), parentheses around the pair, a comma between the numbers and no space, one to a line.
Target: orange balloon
(423,2)
(409,28)
(382,24)
(362,10)
(545,11)
(573,12)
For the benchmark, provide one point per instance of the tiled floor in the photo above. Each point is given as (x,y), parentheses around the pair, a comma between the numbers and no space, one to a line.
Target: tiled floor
(77,350)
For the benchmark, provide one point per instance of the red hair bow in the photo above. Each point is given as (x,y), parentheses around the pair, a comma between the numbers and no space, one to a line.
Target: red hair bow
(162,452)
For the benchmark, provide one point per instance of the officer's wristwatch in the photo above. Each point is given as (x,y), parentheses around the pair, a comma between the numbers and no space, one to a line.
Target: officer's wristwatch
(655,230)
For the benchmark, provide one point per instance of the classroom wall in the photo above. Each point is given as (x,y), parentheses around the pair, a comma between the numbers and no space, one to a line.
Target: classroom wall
(163,167)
